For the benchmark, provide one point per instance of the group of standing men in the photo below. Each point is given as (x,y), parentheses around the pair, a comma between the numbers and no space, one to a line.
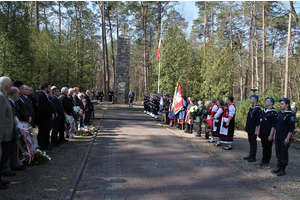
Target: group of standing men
(46,108)
(270,126)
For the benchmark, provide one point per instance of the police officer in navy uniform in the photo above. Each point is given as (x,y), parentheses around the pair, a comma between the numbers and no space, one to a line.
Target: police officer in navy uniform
(284,129)
(252,127)
(268,119)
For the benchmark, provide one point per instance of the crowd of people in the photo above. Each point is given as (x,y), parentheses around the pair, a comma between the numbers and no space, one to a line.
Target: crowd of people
(218,118)
(46,109)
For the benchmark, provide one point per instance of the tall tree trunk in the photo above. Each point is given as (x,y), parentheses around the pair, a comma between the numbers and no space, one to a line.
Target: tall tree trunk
(287,58)
(37,15)
(158,21)
(112,49)
(45,17)
(204,39)
(273,40)
(256,48)
(264,48)
(249,51)
(212,23)
(59,23)
(144,22)
(103,47)
(231,46)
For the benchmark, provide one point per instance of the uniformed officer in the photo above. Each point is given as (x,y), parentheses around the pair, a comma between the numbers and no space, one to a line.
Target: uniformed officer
(252,127)
(284,128)
(268,119)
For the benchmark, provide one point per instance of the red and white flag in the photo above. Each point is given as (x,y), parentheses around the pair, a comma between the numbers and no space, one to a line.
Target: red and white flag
(96,89)
(158,51)
(179,100)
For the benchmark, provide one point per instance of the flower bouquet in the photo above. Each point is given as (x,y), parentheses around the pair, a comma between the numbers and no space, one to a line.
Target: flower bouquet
(26,142)
(78,112)
(87,131)
(193,110)
(95,102)
(70,126)
(40,157)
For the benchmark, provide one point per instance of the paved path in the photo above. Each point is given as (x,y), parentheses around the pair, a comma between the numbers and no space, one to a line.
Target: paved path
(135,159)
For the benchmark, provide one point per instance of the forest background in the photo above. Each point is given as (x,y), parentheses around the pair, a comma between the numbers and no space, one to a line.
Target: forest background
(233,47)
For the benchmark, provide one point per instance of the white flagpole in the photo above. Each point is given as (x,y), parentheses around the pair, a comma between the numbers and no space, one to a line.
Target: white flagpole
(158,73)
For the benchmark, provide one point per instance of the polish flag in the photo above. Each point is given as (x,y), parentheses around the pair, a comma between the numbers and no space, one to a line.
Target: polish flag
(179,100)
(158,51)
(96,89)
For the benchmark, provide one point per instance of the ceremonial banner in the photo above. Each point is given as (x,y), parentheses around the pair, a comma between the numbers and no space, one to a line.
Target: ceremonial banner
(96,89)
(158,51)
(179,100)
(174,100)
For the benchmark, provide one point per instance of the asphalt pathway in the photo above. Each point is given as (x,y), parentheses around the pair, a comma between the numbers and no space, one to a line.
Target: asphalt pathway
(139,159)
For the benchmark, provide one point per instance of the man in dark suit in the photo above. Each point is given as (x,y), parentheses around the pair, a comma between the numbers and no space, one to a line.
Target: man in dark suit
(59,120)
(67,104)
(89,107)
(70,97)
(6,125)
(28,104)
(45,116)
(75,96)
(68,108)
(23,111)
(78,102)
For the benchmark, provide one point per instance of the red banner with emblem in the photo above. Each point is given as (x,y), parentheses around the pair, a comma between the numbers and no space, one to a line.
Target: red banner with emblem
(179,100)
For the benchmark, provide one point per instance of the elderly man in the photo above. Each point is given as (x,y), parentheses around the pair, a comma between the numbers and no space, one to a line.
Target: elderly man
(70,97)
(15,163)
(6,125)
(45,116)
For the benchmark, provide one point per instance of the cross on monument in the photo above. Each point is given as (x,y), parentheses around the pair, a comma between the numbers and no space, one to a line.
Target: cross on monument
(124,28)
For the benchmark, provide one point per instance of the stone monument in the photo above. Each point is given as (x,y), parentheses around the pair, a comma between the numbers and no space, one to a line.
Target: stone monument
(121,86)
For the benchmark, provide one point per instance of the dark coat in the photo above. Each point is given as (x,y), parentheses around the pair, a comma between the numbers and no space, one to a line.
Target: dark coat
(30,108)
(59,106)
(45,108)
(76,100)
(89,104)
(67,104)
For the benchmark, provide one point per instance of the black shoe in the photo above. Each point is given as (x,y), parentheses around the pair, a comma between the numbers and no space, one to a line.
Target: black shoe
(4,182)
(247,158)
(8,173)
(251,160)
(18,168)
(275,171)
(281,172)
(3,187)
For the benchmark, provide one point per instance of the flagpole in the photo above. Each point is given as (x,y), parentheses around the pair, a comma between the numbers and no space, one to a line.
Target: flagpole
(158,75)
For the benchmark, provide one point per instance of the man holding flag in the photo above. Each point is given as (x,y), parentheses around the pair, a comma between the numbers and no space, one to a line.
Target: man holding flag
(179,106)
